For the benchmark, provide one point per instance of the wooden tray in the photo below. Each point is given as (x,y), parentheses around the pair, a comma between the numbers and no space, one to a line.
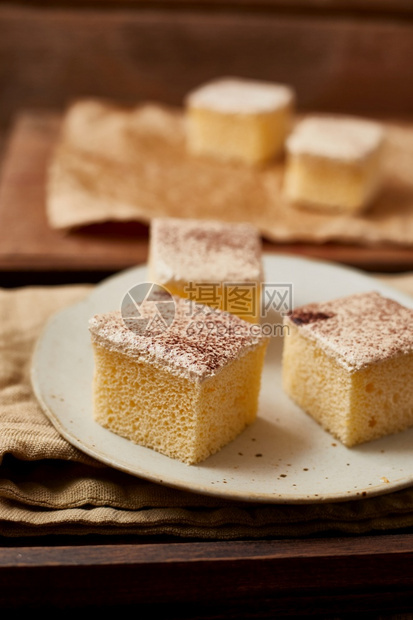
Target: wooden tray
(28,244)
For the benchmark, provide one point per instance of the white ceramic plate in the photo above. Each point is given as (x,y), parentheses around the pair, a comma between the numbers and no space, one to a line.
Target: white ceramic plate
(284,457)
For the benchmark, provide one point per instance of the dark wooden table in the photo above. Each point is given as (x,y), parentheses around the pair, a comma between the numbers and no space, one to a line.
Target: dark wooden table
(341,55)
(318,576)
(331,577)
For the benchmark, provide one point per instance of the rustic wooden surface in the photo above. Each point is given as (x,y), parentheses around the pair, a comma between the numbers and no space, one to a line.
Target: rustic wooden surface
(353,60)
(321,577)
(337,6)
(26,241)
(349,56)
(28,244)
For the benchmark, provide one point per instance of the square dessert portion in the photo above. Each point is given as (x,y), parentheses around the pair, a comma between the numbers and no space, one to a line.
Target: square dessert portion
(349,364)
(215,263)
(238,119)
(334,163)
(185,390)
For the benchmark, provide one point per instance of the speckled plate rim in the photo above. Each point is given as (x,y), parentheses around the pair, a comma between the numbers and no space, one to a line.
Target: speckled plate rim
(284,457)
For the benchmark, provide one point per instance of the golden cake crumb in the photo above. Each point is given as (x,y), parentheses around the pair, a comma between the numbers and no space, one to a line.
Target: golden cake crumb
(349,364)
(184,391)
(334,163)
(238,119)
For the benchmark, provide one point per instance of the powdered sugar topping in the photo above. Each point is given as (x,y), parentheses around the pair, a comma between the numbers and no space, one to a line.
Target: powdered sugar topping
(336,137)
(235,95)
(187,250)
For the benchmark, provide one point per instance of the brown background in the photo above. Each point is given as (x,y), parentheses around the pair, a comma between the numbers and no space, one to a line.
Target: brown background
(340,55)
(352,56)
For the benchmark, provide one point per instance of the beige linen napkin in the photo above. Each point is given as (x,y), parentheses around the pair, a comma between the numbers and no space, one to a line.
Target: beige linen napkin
(112,164)
(49,487)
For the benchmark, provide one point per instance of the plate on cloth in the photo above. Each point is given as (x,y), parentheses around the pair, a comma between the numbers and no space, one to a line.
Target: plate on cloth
(284,457)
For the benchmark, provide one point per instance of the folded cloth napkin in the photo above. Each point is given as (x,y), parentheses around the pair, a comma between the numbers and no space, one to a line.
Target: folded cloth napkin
(47,486)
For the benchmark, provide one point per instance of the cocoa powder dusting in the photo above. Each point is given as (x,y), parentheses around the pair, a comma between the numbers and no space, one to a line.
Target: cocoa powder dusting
(199,342)
(303,317)
(358,330)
